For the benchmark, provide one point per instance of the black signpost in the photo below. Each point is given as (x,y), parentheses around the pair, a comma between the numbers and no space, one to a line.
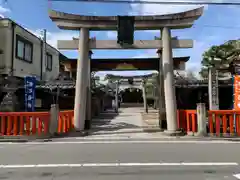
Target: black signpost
(215,97)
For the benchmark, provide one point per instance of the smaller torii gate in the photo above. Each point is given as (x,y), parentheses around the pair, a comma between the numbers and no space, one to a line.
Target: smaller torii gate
(121,82)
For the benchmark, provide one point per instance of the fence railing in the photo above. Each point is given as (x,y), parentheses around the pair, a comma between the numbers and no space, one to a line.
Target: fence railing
(217,122)
(221,122)
(65,121)
(24,123)
(187,120)
(33,123)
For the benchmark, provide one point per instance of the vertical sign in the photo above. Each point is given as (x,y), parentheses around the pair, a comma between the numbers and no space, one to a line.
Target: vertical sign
(30,86)
(213,89)
(236,87)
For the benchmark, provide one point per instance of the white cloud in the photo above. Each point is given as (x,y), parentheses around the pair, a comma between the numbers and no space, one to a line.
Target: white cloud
(112,34)
(53,37)
(4,10)
(150,9)
(159,9)
(124,73)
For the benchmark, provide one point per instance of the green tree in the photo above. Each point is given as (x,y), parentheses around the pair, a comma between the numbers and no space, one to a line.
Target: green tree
(220,56)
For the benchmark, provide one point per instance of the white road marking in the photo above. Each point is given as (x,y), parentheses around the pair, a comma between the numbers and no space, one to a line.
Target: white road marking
(117,165)
(237,176)
(123,142)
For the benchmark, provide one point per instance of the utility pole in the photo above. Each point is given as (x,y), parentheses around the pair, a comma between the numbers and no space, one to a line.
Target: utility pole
(44,60)
(144,96)
(116,96)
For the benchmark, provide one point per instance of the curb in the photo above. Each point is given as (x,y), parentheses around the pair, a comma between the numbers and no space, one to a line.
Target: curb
(22,139)
(43,138)
(13,140)
(152,130)
(49,138)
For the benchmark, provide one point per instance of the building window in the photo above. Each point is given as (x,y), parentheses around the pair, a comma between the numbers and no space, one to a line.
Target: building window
(49,62)
(24,49)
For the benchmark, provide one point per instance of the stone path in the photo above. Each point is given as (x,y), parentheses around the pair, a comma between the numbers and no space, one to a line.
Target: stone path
(125,124)
(127,120)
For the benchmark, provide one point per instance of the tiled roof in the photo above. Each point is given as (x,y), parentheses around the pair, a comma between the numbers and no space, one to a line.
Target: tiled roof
(179,82)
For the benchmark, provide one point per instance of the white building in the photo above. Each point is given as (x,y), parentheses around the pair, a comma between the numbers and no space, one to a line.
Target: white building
(22,53)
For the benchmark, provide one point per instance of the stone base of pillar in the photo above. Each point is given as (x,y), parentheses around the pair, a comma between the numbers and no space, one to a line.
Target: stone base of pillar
(151,121)
(174,133)
(79,133)
(200,134)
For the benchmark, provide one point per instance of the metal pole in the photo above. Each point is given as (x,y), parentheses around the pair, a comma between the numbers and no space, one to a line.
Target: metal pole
(210,89)
(44,50)
(144,96)
(89,94)
(161,98)
(116,97)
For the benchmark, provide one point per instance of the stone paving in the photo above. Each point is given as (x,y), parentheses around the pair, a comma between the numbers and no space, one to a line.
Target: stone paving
(127,123)
(126,120)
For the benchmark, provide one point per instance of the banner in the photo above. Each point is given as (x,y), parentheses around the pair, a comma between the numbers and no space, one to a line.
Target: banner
(30,87)
(236,87)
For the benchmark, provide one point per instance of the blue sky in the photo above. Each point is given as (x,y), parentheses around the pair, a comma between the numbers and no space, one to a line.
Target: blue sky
(217,25)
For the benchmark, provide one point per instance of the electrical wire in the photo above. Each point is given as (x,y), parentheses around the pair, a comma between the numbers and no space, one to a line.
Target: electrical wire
(156,2)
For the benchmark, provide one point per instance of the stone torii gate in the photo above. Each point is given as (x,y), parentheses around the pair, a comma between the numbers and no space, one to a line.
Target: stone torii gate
(97,23)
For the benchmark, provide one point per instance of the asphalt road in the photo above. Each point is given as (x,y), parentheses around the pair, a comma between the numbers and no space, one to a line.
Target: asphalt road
(105,161)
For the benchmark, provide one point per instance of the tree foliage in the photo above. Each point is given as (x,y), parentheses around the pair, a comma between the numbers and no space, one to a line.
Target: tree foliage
(220,56)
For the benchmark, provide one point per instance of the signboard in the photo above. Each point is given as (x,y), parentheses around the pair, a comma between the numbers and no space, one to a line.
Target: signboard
(236,87)
(30,87)
(125,66)
(215,98)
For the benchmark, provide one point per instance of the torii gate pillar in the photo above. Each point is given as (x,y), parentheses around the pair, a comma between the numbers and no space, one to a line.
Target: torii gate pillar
(169,87)
(87,125)
(161,97)
(81,80)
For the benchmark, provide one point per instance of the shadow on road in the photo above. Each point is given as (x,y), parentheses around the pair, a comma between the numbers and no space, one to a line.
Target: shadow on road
(109,122)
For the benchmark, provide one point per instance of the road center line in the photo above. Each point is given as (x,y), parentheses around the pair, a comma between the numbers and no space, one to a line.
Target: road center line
(117,165)
(237,176)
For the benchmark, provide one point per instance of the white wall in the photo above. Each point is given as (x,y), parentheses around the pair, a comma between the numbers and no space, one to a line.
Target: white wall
(22,68)
(182,65)
(6,46)
(55,63)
